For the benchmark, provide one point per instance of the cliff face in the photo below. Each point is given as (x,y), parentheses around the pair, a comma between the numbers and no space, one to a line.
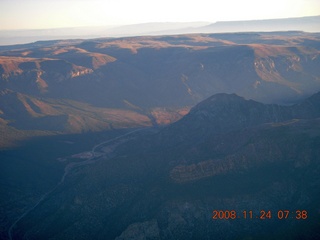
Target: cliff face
(37,75)
(166,185)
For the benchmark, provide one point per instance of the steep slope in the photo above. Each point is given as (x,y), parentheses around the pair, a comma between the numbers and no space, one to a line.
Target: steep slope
(23,117)
(253,157)
(28,113)
(223,113)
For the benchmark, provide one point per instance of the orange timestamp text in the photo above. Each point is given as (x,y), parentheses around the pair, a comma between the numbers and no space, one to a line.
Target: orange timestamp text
(262,214)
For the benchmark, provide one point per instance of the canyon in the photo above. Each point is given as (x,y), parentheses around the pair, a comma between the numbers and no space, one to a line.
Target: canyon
(100,84)
(145,137)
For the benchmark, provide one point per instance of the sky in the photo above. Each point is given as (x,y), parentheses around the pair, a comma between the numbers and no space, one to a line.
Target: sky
(44,14)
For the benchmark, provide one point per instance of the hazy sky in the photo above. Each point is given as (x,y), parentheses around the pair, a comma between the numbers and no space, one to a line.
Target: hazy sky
(40,14)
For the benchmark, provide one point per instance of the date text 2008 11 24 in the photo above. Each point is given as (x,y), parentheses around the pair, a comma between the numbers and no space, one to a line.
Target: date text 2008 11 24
(263,214)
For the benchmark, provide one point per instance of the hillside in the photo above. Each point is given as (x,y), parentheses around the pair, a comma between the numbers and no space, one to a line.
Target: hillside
(166,184)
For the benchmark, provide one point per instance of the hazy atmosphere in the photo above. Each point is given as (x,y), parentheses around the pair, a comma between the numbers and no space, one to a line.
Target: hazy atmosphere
(38,14)
(159,120)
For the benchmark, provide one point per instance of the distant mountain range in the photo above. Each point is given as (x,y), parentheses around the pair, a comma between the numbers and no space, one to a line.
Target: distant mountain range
(74,86)
(307,24)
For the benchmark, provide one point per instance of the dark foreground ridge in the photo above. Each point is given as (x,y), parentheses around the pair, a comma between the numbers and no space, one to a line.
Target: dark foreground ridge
(252,160)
